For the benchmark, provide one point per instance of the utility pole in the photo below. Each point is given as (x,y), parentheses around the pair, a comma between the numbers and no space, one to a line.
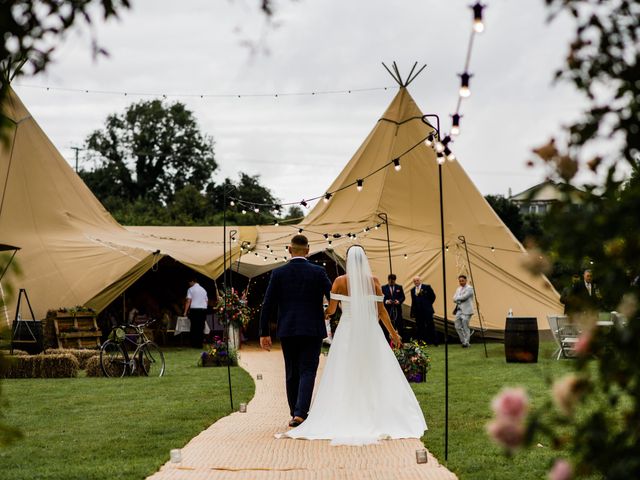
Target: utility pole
(76,149)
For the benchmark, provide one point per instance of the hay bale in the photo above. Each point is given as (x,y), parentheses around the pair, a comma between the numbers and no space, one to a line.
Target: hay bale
(42,366)
(93,368)
(81,354)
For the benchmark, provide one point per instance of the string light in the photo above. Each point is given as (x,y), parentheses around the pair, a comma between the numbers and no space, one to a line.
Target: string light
(455,128)
(450,156)
(232,203)
(359,184)
(478,24)
(327,197)
(493,249)
(276,224)
(429,141)
(304,203)
(406,256)
(396,164)
(244,211)
(440,158)
(257,210)
(465,92)
(300,230)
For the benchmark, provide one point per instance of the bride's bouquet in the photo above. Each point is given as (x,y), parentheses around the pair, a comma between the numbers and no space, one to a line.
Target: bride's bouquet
(414,360)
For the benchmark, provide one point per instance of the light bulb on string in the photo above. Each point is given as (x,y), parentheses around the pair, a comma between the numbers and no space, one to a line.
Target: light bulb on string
(359,184)
(377,226)
(406,256)
(327,197)
(455,127)
(265,259)
(429,141)
(464,84)
(244,211)
(478,24)
(232,203)
(300,230)
(439,147)
(304,203)
(257,210)
(440,158)
(493,249)
(396,164)
(276,224)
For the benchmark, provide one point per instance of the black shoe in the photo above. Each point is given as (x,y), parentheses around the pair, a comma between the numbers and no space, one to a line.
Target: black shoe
(295,421)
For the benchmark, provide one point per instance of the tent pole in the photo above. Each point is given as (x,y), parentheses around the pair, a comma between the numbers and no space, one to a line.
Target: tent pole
(224,288)
(475,293)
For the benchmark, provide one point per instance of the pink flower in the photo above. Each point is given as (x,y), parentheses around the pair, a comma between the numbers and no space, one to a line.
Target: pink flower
(583,343)
(506,432)
(566,392)
(561,470)
(511,403)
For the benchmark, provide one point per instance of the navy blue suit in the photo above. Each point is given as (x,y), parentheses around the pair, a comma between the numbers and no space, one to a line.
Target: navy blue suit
(296,292)
(395,311)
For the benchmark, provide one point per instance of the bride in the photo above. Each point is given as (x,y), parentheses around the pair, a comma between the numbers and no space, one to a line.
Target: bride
(363,395)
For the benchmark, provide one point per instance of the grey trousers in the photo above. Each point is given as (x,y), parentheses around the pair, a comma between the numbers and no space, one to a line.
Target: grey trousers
(462,327)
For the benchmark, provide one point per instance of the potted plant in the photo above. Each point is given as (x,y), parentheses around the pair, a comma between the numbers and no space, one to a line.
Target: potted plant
(414,360)
(218,355)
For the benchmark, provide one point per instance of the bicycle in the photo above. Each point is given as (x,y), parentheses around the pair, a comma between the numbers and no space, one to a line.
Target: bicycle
(116,358)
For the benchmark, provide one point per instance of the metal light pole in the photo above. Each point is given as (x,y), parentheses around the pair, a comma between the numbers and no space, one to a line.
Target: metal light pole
(385,218)
(224,286)
(444,296)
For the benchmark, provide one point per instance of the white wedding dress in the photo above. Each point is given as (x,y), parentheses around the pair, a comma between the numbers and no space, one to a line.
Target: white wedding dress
(363,396)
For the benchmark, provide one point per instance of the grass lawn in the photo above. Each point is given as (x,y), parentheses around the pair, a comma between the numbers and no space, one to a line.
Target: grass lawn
(98,428)
(473,381)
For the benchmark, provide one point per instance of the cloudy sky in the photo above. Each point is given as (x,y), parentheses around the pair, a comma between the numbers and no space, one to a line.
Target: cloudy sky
(299,143)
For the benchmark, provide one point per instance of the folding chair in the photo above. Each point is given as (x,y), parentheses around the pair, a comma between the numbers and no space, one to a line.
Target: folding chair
(553,324)
(568,334)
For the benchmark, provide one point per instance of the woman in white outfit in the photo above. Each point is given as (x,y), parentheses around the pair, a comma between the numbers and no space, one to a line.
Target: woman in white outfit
(363,395)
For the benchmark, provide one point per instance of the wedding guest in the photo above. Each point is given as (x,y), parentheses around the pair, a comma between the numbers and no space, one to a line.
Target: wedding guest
(566,297)
(586,294)
(422,298)
(195,308)
(393,300)
(463,311)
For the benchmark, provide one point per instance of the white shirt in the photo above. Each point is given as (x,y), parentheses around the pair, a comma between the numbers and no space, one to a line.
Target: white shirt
(198,296)
(588,285)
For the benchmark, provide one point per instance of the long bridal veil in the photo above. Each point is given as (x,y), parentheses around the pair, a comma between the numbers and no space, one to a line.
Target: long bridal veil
(361,289)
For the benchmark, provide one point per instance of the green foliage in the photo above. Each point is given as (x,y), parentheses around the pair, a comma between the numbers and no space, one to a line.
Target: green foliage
(414,359)
(150,152)
(597,411)
(96,428)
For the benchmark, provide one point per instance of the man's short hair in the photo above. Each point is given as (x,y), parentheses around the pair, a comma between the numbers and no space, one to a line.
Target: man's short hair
(300,241)
(392,276)
(462,276)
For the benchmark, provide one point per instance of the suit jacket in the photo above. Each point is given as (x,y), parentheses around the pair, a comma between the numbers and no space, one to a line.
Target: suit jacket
(295,292)
(581,300)
(422,305)
(393,293)
(464,299)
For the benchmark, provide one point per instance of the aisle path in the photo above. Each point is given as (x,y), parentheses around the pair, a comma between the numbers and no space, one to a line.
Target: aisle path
(242,445)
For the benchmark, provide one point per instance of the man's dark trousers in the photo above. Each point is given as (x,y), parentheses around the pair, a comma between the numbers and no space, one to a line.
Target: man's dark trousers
(301,358)
(197,317)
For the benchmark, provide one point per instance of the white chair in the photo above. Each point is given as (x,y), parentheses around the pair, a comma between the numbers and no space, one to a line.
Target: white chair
(553,324)
(568,334)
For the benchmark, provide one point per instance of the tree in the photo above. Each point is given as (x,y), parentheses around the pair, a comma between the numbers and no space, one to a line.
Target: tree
(509,213)
(150,152)
(594,412)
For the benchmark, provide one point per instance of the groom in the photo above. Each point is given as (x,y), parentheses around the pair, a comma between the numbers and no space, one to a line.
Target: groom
(296,291)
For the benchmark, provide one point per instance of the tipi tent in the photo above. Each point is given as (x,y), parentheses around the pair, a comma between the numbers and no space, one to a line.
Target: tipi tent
(72,252)
(410,200)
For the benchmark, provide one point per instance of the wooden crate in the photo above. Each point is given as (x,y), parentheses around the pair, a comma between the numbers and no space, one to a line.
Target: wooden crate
(73,330)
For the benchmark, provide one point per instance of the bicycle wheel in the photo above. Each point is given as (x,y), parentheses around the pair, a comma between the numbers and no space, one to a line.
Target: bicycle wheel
(150,360)
(113,359)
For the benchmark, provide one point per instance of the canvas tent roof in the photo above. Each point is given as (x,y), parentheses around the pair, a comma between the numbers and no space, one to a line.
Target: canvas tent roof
(72,251)
(410,198)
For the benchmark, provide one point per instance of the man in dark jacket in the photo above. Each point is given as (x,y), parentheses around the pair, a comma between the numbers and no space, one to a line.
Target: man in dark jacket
(296,292)
(422,298)
(393,300)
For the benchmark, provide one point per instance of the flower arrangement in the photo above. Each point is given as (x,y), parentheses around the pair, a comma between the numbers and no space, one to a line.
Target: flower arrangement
(238,313)
(414,360)
(217,354)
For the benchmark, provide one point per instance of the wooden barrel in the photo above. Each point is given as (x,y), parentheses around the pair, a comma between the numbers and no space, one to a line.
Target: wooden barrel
(521,339)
